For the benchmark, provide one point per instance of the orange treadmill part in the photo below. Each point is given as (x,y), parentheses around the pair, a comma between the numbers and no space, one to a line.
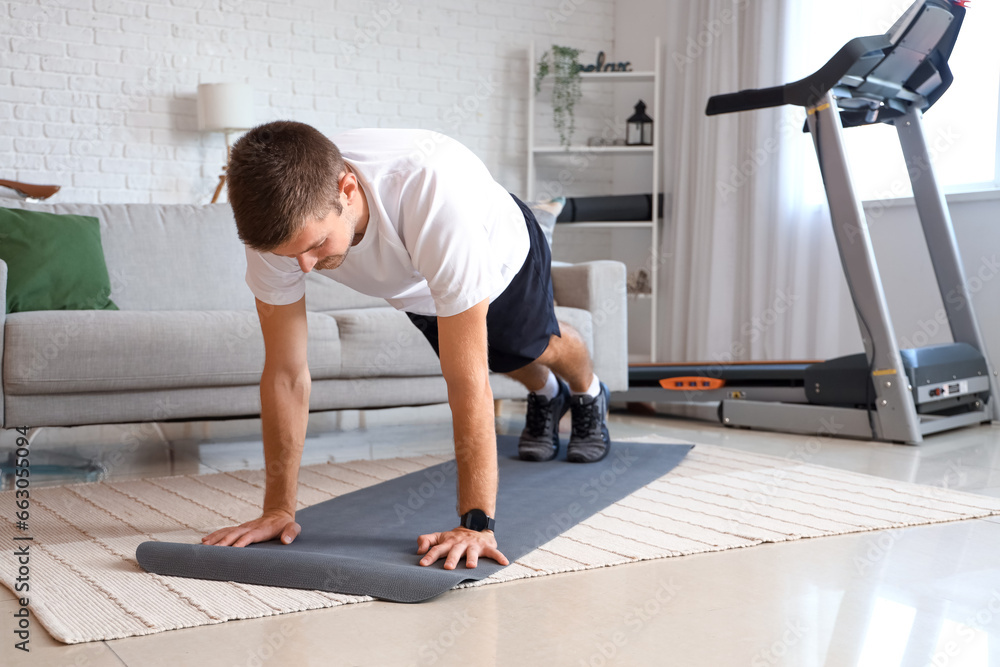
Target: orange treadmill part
(692,383)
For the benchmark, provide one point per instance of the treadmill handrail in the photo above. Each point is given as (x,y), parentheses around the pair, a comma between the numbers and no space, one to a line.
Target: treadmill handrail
(805,92)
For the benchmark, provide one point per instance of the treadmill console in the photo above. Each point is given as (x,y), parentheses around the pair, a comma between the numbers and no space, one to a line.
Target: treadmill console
(877,78)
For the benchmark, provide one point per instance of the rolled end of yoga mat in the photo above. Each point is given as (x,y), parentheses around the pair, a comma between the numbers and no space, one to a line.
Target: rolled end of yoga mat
(296,569)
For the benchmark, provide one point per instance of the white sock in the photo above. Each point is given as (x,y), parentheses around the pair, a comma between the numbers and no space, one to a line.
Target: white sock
(593,390)
(551,388)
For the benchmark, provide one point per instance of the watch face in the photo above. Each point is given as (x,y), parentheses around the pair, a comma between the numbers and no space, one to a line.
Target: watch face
(475,520)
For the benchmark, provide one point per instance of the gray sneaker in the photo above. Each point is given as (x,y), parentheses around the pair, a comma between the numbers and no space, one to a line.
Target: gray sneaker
(540,437)
(589,442)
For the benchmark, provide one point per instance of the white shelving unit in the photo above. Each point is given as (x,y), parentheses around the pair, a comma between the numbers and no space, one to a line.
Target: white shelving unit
(652,76)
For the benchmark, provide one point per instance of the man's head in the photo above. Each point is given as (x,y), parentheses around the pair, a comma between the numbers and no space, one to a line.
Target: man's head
(292,194)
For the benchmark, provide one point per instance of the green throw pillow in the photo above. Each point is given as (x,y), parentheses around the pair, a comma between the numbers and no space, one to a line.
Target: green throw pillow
(54,262)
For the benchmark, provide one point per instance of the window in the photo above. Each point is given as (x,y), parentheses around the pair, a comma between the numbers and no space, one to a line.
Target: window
(961,128)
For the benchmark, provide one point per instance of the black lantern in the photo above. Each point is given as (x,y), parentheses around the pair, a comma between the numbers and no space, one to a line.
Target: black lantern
(640,127)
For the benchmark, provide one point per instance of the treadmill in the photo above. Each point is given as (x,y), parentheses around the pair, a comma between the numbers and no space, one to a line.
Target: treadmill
(885,393)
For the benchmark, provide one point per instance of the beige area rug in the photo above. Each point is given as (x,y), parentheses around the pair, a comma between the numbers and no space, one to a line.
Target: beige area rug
(86,585)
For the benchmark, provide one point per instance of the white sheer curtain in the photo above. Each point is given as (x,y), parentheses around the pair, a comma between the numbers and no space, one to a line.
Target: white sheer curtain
(751,270)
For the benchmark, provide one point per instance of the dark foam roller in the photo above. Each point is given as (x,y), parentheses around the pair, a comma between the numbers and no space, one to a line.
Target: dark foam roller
(618,208)
(364,542)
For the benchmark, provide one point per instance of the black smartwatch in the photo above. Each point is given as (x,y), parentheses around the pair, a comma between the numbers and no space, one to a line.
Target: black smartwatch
(477,520)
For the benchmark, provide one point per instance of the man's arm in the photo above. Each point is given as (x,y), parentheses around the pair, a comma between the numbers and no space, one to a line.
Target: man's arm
(465,364)
(284,413)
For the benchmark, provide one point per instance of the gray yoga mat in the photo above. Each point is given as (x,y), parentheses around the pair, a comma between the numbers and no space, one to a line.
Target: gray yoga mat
(365,542)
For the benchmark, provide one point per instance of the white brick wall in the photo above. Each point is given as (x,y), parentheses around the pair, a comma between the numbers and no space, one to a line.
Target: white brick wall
(100,95)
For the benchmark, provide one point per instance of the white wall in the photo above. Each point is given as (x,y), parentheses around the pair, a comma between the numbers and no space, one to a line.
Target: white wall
(99,95)
(907,274)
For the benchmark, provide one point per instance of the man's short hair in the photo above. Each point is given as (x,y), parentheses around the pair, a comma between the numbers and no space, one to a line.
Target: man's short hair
(280,175)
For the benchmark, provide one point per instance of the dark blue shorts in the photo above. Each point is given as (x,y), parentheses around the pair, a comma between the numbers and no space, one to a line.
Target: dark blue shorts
(520,321)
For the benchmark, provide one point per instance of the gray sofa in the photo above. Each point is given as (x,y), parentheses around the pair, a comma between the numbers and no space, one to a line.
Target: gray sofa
(186,343)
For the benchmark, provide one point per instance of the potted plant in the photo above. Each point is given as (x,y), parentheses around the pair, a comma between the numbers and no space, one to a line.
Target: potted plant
(560,61)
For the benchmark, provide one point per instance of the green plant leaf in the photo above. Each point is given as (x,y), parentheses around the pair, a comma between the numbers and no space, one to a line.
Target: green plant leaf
(561,62)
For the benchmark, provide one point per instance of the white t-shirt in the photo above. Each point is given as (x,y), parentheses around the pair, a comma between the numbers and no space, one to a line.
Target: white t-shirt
(442,234)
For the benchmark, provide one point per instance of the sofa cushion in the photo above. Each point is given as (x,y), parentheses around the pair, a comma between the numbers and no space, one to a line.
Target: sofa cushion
(169,256)
(185,257)
(383,342)
(52,352)
(324,294)
(55,262)
(546,211)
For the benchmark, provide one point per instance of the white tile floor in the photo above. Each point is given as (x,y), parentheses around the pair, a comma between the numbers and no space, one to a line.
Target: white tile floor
(922,596)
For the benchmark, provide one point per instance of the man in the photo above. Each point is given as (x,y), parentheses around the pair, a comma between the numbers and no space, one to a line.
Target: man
(415,218)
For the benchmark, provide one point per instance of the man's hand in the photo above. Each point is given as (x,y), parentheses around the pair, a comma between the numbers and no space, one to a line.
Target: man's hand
(269,525)
(456,543)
